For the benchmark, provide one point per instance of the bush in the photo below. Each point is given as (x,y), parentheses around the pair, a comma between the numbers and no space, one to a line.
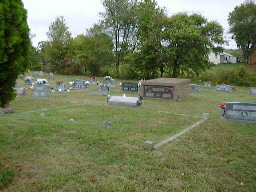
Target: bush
(238,77)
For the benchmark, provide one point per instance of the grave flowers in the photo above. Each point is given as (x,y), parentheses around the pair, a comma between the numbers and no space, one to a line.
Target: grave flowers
(222,107)
(59,81)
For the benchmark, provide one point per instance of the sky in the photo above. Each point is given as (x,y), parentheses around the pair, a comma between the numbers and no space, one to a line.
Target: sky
(82,14)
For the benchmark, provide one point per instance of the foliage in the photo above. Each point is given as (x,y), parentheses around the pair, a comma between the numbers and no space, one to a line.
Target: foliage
(35,63)
(120,24)
(14,47)
(238,76)
(148,54)
(189,39)
(242,21)
(57,48)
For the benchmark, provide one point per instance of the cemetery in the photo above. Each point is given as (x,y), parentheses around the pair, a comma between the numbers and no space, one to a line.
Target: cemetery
(89,134)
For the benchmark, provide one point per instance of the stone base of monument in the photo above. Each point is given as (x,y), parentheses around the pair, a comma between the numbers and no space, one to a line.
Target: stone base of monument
(123,100)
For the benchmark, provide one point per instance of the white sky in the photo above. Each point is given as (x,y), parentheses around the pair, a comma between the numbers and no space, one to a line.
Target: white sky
(82,14)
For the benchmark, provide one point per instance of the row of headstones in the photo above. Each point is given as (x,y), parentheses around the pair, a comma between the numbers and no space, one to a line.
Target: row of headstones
(194,88)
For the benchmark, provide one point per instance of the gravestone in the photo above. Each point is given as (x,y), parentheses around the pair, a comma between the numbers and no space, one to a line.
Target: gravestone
(149,145)
(224,88)
(28,81)
(165,88)
(107,125)
(207,84)
(104,87)
(253,90)
(109,81)
(122,100)
(79,84)
(51,76)
(93,80)
(41,90)
(243,111)
(129,87)
(21,91)
(194,88)
(39,73)
(60,86)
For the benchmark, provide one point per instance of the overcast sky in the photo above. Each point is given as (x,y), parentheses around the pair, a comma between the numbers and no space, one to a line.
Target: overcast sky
(82,14)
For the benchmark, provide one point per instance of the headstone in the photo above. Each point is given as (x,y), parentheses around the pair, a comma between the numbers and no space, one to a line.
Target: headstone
(149,145)
(42,90)
(123,100)
(39,73)
(51,76)
(207,84)
(253,90)
(194,88)
(28,81)
(21,91)
(206,115)
(224,88)
(109,81)
(60,86)
(93,80)
(104,87)
(107,124)
(129,87)
(244,111)
(79,84)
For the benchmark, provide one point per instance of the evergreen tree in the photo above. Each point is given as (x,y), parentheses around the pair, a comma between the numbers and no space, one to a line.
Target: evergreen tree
(14,47)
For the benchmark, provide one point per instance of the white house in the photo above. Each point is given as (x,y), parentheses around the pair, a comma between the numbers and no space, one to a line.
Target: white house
(222,58)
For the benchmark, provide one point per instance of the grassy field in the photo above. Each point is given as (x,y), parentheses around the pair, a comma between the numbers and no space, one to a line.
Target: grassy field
(51,154)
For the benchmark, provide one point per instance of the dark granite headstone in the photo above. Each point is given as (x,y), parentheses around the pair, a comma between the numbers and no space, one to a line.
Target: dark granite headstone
(243,111)
(129,87)
(194,88)
(41,90)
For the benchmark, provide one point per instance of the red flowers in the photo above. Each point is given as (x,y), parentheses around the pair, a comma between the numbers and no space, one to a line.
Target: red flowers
(59,81)
(222,105)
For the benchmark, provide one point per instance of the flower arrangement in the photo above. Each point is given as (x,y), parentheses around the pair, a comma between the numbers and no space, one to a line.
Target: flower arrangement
(59,81)
(222,105)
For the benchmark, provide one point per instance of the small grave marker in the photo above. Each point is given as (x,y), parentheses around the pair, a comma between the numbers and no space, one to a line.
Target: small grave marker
(194,88)
(208,84)
(149,145)
(28,81)
(107,124)
(253,90)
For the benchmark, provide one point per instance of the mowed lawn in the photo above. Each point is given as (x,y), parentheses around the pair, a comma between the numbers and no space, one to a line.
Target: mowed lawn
(52,154)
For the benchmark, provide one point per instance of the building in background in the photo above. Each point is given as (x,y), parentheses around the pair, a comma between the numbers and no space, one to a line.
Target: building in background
(223,57)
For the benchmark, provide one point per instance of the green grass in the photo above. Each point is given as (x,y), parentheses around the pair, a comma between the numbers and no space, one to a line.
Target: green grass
(51,154)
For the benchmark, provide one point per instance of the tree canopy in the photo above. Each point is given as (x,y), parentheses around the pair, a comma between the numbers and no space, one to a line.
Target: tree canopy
(242,21)
(14,47)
